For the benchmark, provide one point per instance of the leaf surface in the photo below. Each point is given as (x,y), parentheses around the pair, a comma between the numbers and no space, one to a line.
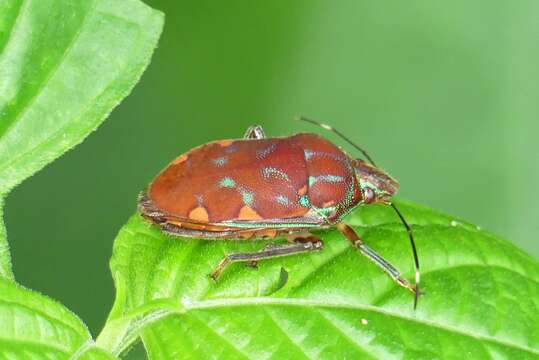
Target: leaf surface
(64,65)
(482,295)
(36,327)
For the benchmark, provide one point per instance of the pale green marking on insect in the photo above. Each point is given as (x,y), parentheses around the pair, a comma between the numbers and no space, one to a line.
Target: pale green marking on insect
(330,178)
(220,161)
(283,200)
(304,201)
(272,172)
(247,197)
(268,225)
(325,178)
(309,154)
(326,211)
(349,197)
(227,182)
(262,153)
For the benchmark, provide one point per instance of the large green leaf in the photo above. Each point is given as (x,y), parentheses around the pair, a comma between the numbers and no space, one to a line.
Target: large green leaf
(33,326)
(482,295)
(64,65)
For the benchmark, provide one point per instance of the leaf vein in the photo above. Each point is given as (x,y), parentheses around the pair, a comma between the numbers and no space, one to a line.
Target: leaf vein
(35,311)
(286,335)
(49,76)
(36,343)
(209,304)
(220,336)
(346,336)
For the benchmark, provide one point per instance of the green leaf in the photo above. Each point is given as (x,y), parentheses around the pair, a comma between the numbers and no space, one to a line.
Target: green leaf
(93,352)
(64,65)
(5,258)
(36,327)
(482,295)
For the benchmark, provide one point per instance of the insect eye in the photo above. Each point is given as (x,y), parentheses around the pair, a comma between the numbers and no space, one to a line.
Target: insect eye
(368,195)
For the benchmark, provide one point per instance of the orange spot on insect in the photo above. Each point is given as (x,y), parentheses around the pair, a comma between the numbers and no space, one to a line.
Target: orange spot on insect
(225,143)
(199,214)
(247,213)
(180,159)
(328,204)
(303,190)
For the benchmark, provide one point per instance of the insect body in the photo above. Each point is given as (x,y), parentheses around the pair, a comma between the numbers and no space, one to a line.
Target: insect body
(260,187)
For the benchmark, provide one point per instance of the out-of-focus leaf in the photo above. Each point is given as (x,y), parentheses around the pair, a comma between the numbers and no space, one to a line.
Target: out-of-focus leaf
(5,258)
(36,327)
(482,295)
(64,65)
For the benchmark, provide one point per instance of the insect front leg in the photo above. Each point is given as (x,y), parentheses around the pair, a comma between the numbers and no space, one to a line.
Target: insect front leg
(268,252)
(351,235)
(254,132)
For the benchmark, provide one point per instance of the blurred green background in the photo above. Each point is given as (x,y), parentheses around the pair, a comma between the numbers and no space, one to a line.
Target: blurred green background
(444,95)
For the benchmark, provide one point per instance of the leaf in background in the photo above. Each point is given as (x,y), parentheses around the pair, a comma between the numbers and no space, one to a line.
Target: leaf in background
(482,295)
(36,327)
(64,65)
(5,258)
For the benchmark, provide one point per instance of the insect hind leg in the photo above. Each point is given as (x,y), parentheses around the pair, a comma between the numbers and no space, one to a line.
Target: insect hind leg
(254,132)
(268,252)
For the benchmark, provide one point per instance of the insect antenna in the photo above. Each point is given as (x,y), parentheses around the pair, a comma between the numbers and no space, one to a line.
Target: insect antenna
(414,250)
(417,293)
(340,134)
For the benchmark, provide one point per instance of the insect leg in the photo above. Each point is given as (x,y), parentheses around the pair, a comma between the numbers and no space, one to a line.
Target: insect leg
(351,235)
(295,237)
(268,252)
(254,132)
(254,263)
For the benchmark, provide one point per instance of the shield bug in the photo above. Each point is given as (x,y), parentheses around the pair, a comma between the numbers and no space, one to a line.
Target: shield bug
(260,187)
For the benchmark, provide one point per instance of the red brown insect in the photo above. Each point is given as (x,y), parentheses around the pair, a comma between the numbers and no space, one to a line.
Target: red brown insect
(259,187)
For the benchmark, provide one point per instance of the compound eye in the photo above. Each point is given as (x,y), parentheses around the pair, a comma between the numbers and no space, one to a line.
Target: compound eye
(368,194)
